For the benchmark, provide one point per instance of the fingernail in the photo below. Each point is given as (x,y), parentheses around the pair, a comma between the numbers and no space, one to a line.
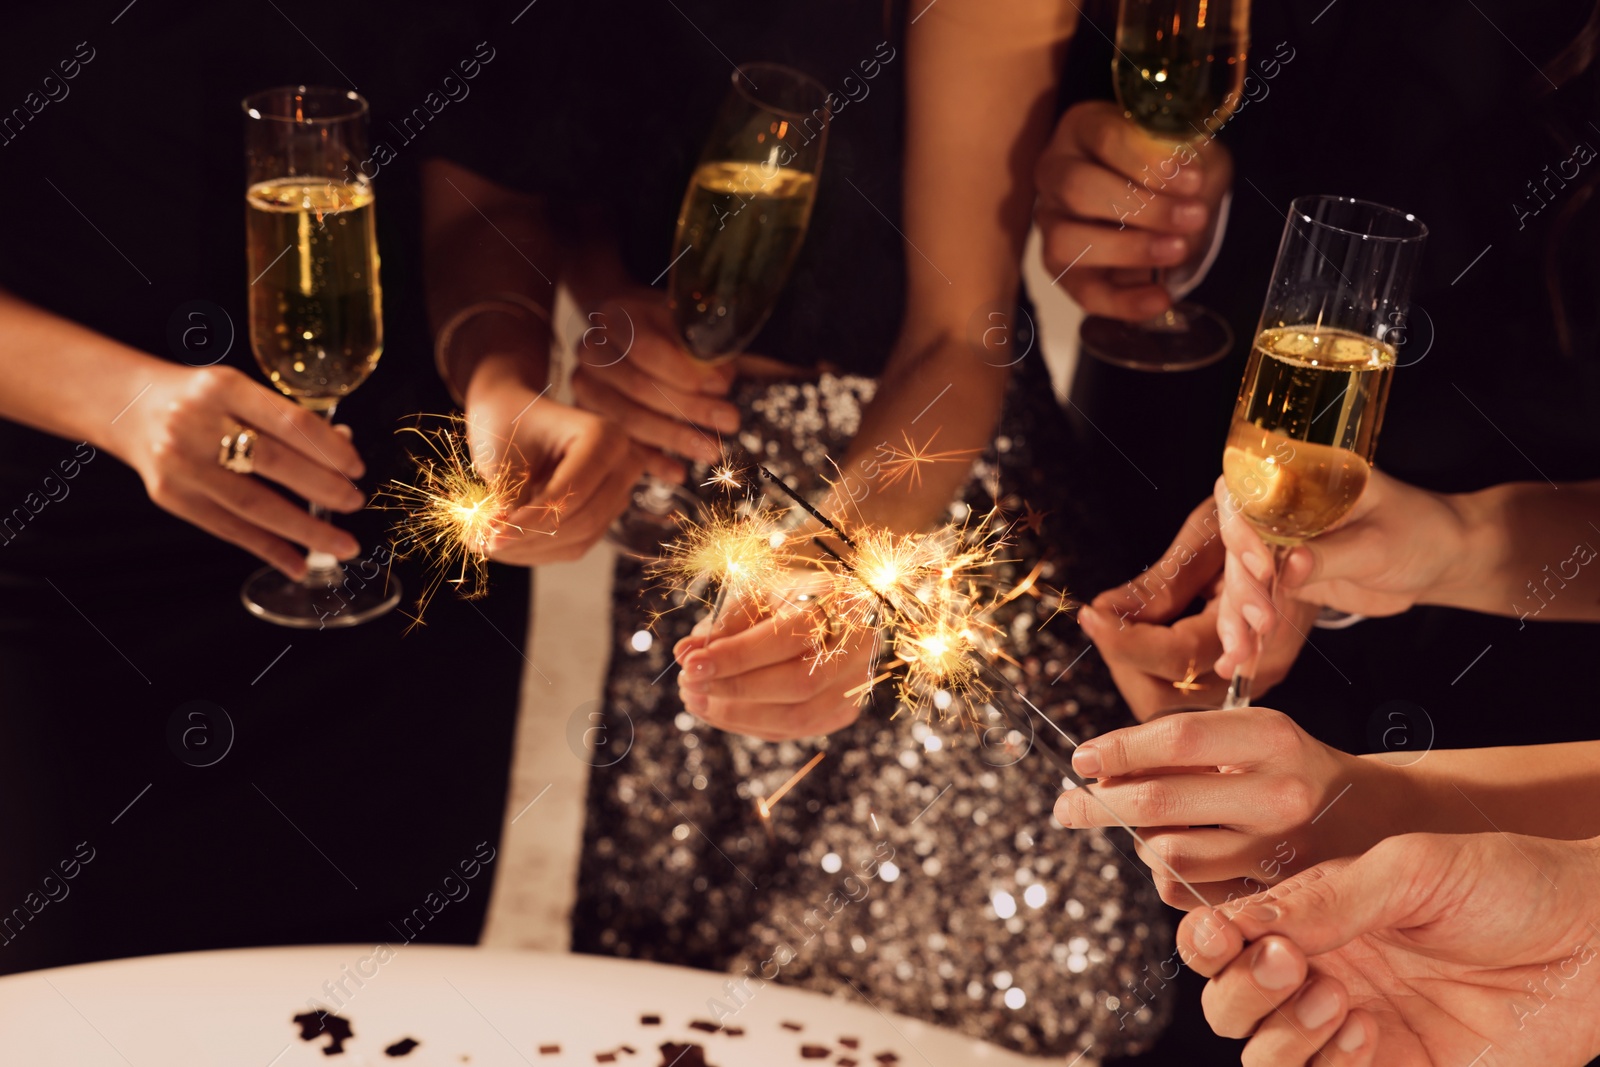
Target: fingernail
(1257,565)
(1273,967)
(700,668)
(354,501)
(348,547)
(1086,761)
(1189,216)
(1317,1006)
(1253,615)
(1167,248)
(708,452)
(1261,913)
(1208,940)
(693,685)
(1352,1035)
(1064,812)
(1088,618)
(724,420)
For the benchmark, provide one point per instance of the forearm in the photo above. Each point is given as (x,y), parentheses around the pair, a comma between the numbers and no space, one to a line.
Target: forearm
(1540,790)
(1530,552)
(490,260)
(933,415)
(66,379)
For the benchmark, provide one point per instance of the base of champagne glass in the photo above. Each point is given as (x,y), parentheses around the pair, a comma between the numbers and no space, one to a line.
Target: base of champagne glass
(324,600)
(1186,338)
(653,519)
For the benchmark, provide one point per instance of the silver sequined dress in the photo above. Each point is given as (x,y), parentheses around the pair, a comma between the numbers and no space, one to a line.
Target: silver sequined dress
(915,867)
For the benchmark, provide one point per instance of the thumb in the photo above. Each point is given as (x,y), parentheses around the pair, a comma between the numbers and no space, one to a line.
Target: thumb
(1334,903)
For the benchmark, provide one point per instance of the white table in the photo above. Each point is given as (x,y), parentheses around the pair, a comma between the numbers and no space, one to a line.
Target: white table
(466,1007)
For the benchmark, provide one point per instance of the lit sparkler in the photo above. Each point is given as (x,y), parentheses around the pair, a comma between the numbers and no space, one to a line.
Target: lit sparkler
(452,513)
(743,556)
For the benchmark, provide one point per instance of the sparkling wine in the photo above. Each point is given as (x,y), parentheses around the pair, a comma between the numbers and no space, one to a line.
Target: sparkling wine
(1176,71)
(316,318)
(739,230)
(1304,429)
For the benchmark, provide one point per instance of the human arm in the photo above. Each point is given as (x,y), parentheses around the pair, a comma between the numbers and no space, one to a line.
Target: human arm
(1426,951)
(1524,549)
(1236,800)
(166,421)
(483,249)
(980,92)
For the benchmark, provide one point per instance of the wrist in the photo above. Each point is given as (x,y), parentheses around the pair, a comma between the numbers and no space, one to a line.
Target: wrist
(501,335)
(1398,798)
(500,371)
(1472,549)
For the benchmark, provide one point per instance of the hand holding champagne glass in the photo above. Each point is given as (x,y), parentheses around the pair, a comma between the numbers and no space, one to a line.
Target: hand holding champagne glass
(1306,423)
(1179,69)
(316,307)
(743,220)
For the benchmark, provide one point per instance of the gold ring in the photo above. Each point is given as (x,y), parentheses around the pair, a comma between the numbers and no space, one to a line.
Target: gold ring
(237,452)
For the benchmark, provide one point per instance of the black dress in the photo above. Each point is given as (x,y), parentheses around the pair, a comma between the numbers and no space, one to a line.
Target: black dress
(333,780)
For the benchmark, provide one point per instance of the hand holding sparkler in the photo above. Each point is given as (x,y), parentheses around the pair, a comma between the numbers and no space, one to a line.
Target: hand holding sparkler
(1161,658)
(573,470)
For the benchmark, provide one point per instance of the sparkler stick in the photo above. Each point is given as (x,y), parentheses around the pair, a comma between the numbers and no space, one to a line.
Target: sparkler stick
(766,804)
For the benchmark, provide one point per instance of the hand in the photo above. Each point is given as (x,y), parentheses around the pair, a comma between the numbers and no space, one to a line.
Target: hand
(1429,951)
(1151,650)
(632,368)
(756,672)
(1115,202)
(171,439)
(1396,547)
(1232,800)
(580,468)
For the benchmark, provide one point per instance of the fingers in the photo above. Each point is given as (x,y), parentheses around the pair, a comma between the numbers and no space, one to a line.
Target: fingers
(626,396)
(1240,737)
(1297,1031)
(1170,653)
(595,451)
(1082,244)
(1159,800)
(1098,294)
(1101,131)
(310,480)
(259,506)
(301,430)
(737,649)
(1081,188)
(536,534)
(1263,979)
(640,331)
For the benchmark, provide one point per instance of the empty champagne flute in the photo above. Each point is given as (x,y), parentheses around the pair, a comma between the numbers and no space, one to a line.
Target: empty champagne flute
(316,305)
(1306,423)
(742,222)
(1179,70)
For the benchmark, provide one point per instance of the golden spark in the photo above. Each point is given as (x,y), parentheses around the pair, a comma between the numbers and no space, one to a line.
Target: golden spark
(452,514)
(906,465)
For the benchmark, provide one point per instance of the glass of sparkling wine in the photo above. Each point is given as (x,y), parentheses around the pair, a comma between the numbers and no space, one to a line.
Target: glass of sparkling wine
(1179,70)
(741,225)
(1306,423)
(316,305)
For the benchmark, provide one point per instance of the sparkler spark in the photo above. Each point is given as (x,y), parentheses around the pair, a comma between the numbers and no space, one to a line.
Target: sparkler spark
(744,556)
(906,465)
(451,513)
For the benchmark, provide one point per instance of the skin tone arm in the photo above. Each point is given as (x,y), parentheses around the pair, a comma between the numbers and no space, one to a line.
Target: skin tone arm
(482,239)
(166,421)
(1524,549)
(1236,800)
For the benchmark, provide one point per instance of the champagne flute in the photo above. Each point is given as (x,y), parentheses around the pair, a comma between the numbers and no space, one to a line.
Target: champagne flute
(316,305)
(741,225)
(1306,423)
(1179,72)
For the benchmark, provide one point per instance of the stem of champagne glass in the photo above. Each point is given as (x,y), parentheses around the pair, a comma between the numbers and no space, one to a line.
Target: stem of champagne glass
(322,568)
(1244,675)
